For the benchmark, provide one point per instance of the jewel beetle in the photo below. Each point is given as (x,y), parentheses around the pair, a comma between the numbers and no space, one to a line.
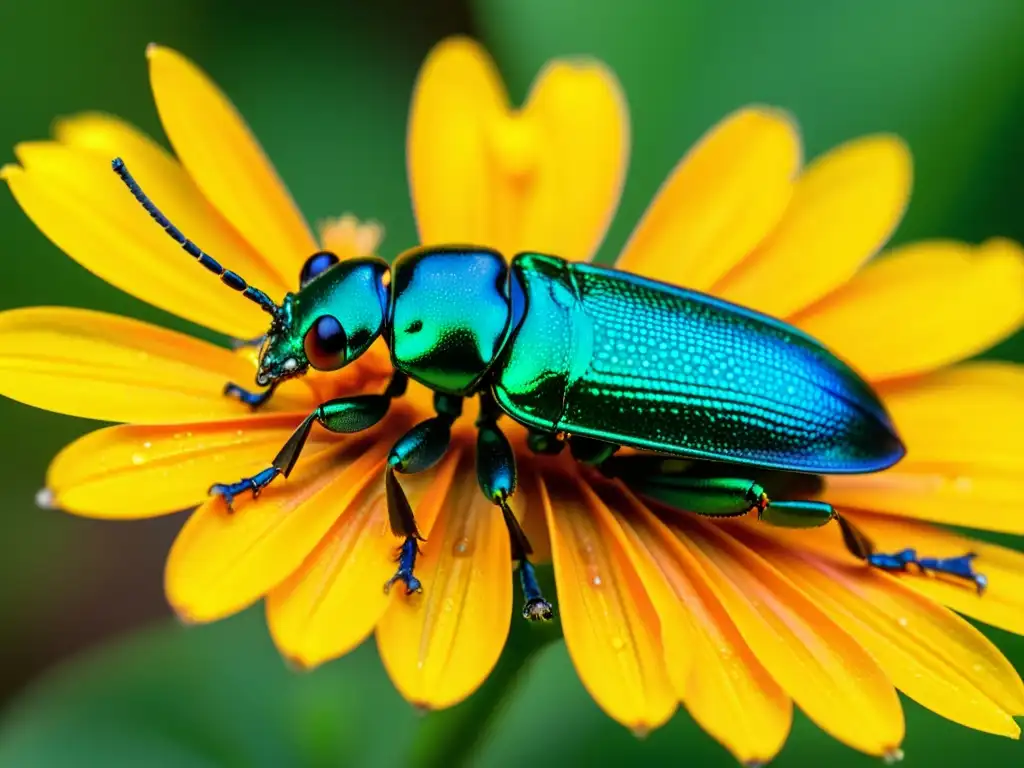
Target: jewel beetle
(730,410)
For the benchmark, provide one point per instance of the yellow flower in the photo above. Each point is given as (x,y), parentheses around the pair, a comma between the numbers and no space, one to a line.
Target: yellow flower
(736,621)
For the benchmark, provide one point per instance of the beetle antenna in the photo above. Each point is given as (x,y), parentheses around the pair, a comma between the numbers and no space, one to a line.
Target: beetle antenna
(229,278)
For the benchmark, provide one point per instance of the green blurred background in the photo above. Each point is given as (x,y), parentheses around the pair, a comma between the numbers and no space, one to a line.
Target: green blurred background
(325,85)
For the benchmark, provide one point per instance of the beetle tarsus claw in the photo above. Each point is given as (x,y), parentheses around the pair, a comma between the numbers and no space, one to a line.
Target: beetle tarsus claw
(960,567)
(412,584)
(253,399)
(536,608)
(254,485)
(406,563)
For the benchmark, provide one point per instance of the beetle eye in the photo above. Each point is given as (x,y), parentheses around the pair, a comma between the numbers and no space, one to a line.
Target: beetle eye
(315,265)
(325,344)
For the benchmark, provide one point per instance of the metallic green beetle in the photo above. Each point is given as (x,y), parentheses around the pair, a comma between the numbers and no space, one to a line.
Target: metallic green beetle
(727,404)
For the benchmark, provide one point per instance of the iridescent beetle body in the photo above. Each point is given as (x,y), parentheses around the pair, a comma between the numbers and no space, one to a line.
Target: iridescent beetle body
(725,404)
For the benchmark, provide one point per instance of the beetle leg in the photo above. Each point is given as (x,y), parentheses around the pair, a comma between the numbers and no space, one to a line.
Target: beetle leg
(811,514)
(253,399)
(684,486)
(344,415)
(860,546)
(496,474)
(417,450)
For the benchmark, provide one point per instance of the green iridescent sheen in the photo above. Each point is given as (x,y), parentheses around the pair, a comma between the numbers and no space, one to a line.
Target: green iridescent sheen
(616,357)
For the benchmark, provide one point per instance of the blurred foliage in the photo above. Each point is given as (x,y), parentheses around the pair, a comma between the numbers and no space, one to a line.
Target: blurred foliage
(325,85)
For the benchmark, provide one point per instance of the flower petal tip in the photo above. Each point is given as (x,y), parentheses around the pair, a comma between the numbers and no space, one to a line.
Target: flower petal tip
(8,170)
(893,756)
(641,731)
(184,619)
(297,665)
(46,498)
(152,49)
(421,708)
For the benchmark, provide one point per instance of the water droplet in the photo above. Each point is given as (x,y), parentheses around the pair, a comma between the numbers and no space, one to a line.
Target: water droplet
(45,499)
(893,756)
(902,621)
(461,548)
(138,458)
(618,644)
(147,444)
(596,581)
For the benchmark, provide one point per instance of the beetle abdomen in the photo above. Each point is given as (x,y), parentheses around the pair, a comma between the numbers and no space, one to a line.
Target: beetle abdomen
(620,358)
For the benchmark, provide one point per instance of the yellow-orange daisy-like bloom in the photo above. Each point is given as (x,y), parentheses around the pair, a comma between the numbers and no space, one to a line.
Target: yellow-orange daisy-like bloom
(734,620)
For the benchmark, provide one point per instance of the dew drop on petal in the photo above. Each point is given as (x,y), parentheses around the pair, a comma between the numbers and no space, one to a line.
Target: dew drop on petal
(596,581)
(893,756)
(461,548)
(138,458)
(902,621)
(45,499)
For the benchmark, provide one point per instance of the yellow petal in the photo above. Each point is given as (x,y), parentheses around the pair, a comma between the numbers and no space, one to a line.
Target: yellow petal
(922,307)
(104,229)
(843,210)
(970,416)
(828,674)
(952,495)
(439,646)
(578,114)
(334,600)
(1002,604)
(458,95)
(929,653)
(611,628)
(223,561)
(174,192)
(545,178)
(102,366)
(725,688)
(721,200)
(226,162)
(141,471)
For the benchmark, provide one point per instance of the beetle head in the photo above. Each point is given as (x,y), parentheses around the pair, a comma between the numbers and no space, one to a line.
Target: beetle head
(332,320)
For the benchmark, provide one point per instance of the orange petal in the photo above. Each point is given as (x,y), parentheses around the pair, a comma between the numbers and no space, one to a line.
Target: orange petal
(611,628)
(1002,604)
(222,562)
(227,163)
(545,178)
(725,688)
(924,306)
(844,209)
(334,600)
(439,646)
(929,653)
(528,506)
(721,200)
(102,366)
(105,230)
(828,674)
(141,471)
